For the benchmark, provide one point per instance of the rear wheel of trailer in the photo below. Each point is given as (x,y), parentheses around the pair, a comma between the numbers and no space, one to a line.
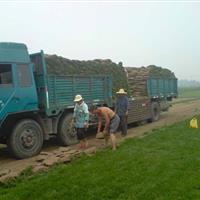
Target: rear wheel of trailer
(155,111)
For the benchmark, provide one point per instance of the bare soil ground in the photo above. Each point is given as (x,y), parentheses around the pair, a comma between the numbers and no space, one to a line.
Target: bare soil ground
(51,153)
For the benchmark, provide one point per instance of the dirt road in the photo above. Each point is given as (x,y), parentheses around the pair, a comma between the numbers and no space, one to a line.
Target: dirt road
(52,153)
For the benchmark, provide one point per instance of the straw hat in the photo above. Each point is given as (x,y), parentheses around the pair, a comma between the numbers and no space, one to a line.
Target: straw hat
(78,97)
(121,91)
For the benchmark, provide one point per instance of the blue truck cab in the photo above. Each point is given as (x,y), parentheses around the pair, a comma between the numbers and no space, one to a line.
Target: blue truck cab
(35,106)
(17,85)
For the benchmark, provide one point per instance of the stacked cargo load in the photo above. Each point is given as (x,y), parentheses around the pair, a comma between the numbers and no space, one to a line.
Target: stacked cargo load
(58,65)
(138,79)
(132,79)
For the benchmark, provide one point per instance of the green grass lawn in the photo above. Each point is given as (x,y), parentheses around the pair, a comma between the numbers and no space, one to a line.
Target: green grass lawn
(188,92)
(164,165)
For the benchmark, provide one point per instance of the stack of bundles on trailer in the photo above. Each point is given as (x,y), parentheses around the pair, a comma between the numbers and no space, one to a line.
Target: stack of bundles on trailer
(137,81)
(137,78)
(61,66)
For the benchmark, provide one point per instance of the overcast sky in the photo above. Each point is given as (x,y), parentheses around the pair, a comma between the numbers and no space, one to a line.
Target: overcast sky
(141,33)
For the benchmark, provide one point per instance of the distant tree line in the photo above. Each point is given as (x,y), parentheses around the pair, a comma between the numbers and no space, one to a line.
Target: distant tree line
(188,84)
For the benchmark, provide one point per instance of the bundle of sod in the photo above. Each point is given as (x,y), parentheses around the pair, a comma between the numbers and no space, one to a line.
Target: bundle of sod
(137,78)
(61,66)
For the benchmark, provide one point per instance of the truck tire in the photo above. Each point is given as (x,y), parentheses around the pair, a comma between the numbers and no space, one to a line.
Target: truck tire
(26,139)
(66,131)
(155,111)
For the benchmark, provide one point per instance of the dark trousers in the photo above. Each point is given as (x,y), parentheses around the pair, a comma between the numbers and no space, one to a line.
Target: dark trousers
(123,124)
(81,133)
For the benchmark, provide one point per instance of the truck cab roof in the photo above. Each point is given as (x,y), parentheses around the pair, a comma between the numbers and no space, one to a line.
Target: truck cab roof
(13,53)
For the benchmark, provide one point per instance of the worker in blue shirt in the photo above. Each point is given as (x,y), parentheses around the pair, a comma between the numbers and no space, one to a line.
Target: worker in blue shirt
(121,109)
(81,118)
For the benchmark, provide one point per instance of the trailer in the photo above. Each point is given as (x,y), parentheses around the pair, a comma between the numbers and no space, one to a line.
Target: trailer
(149,96)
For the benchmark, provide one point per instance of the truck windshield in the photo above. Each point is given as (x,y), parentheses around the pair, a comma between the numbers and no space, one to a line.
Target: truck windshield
(5,75)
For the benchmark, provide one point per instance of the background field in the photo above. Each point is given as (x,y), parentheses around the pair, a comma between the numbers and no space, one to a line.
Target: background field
(162,165)
(189,92)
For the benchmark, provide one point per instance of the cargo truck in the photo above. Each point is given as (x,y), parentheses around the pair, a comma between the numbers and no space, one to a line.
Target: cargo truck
(35,106)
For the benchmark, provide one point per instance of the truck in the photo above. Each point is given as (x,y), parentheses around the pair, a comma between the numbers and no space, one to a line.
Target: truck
(36,106)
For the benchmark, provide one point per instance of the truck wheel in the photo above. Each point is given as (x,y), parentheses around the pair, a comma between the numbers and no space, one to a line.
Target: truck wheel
(155,111)
(66,131)
(26,139)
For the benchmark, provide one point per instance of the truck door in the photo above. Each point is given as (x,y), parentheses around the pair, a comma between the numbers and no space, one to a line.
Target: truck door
(26,95)
(7,89)
(17,89)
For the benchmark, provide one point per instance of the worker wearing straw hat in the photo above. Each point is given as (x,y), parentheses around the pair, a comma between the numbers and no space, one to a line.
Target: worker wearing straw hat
(81,118)
(121,109)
